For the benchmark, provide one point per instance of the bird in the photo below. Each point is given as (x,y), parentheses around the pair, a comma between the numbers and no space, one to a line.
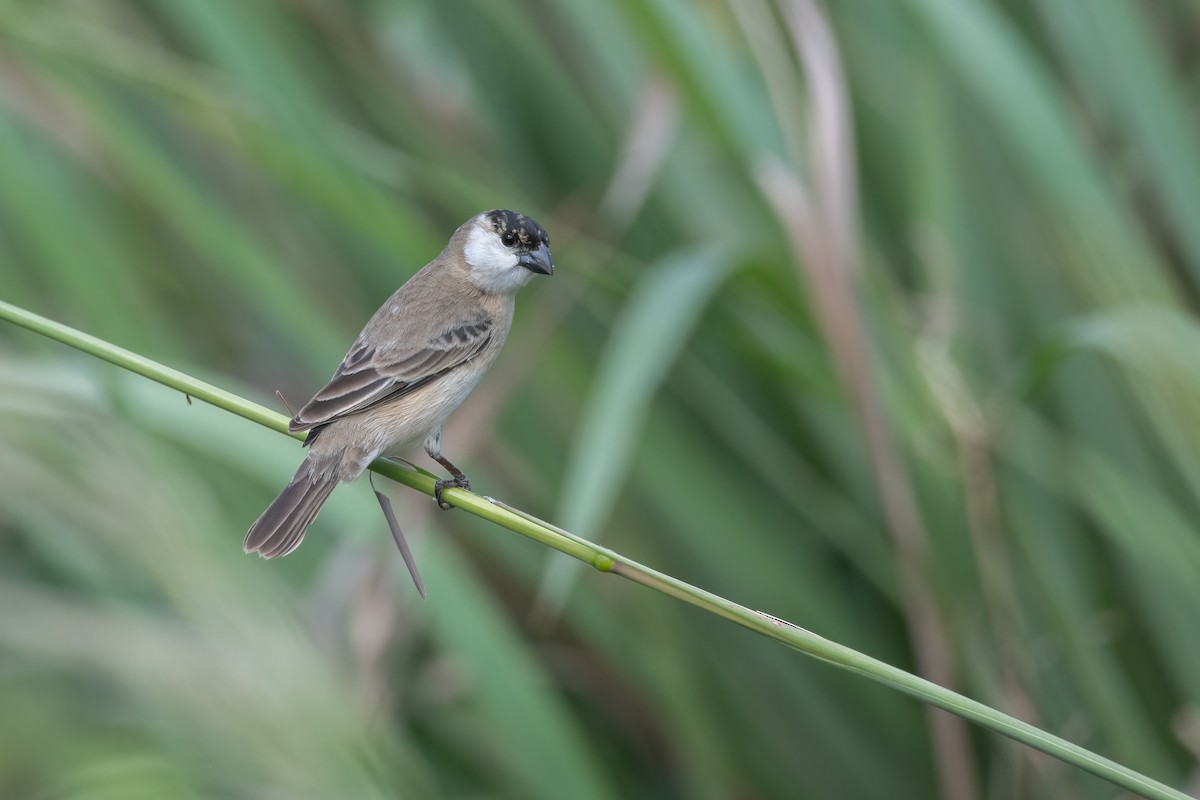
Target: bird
(413,364)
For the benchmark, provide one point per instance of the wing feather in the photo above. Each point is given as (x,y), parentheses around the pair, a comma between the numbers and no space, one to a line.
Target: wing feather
(371,375)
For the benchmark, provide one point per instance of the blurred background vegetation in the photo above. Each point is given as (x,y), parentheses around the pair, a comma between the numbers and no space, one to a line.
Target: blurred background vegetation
(890,333)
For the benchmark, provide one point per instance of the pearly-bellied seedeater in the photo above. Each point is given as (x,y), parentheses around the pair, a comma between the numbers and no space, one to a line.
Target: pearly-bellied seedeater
(416,360)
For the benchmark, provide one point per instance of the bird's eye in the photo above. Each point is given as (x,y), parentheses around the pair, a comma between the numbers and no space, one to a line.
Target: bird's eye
(509,239)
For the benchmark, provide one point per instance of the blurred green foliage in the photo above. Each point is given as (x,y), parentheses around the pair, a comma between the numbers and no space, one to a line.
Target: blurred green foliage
(232,186)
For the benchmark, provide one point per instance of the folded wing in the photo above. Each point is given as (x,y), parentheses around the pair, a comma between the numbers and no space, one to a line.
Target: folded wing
(370,375)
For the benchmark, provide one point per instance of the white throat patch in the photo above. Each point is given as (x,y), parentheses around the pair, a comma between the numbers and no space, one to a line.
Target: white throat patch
(494,267)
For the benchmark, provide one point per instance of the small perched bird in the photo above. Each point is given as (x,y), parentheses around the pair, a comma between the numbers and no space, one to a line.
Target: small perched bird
(416,360)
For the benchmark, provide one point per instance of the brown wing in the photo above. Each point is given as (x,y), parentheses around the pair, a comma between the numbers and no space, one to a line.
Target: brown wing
(372,374)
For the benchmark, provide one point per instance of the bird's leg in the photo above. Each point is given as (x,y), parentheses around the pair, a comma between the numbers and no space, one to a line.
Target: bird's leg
(457,481)
(433,446)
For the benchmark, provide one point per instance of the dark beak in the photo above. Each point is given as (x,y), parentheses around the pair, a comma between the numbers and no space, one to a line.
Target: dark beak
(538,260)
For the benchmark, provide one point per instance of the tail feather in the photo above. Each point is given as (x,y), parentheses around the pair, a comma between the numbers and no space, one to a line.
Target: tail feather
(280,529)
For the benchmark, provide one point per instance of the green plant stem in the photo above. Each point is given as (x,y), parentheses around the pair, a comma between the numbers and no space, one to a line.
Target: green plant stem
(606,560)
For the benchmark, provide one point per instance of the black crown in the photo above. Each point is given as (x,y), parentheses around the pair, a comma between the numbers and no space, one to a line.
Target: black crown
(528,232)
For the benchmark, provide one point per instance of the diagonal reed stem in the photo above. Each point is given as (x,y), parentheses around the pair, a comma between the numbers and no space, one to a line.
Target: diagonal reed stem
(606,560)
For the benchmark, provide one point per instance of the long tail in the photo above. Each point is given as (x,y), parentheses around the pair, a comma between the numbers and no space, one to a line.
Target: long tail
(280,529)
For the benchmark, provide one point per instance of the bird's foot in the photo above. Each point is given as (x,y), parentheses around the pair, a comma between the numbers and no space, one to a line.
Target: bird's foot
(457,482)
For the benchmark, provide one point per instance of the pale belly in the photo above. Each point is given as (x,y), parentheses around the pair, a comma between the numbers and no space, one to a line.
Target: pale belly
(348,445)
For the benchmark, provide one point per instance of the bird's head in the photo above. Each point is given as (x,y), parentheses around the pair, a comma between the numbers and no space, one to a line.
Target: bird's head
(503,249)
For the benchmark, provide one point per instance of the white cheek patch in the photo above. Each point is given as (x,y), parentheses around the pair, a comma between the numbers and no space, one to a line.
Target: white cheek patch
(494,267)
(486,252)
